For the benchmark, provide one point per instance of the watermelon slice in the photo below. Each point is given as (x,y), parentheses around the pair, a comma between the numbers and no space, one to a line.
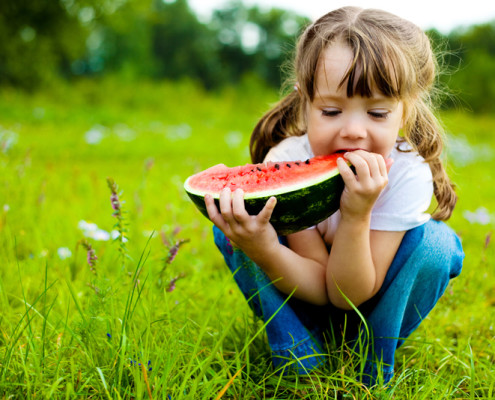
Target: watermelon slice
(307,192)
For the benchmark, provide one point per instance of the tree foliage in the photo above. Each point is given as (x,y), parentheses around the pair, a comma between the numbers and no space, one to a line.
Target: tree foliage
(44,40)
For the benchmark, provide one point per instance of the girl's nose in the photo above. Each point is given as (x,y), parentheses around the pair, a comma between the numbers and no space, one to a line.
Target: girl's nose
(353,128)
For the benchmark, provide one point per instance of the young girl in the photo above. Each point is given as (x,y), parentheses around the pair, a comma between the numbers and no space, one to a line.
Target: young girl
(362,86)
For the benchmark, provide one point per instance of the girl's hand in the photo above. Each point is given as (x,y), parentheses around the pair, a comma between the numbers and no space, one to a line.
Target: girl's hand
(252,233)
(362,188)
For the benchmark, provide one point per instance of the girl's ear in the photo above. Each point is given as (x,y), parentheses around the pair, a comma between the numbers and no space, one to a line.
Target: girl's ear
(296,88)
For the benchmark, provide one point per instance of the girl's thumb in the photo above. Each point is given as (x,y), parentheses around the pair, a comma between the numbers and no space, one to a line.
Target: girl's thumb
(388,163)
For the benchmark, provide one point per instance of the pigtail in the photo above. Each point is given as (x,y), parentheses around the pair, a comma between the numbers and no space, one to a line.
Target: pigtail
(280,122)
(426,135)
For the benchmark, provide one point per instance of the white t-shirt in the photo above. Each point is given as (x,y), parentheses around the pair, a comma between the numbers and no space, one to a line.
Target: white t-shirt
(401,206)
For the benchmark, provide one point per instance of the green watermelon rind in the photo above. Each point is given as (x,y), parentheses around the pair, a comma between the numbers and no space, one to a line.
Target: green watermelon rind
(296,209)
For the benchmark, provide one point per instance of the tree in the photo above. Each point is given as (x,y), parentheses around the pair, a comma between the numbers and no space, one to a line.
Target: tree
(182,45)
(36,38)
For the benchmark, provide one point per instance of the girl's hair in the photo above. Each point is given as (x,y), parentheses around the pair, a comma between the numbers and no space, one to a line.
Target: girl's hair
(391,55)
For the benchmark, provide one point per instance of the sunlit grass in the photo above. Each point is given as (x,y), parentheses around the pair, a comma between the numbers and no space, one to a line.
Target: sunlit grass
(142,325)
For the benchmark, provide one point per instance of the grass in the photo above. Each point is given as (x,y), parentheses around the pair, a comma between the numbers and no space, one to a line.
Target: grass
(146,323)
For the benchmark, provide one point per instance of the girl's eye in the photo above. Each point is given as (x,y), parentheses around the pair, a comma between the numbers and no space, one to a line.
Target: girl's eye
(330,112)
(378,114)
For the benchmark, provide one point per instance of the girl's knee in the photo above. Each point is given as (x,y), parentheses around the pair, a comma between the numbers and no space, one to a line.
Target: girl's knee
(441,250)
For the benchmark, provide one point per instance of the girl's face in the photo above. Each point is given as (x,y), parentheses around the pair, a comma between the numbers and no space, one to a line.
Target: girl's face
(336,122)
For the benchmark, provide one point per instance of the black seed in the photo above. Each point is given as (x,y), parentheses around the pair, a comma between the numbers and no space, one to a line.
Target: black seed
(288,165)
(277,166)
(297,163)
(307,161)
(259,169)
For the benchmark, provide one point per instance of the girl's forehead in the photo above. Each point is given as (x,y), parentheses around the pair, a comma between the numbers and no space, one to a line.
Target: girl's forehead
(333,65)
(340,70)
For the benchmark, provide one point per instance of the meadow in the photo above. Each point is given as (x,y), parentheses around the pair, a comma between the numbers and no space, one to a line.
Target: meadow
(127,298)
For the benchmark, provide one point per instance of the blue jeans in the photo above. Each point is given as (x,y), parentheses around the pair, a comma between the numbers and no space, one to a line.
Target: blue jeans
(428,257)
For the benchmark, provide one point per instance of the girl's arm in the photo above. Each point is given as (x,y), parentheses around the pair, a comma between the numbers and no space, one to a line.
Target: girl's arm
(290,272)
(359,258)
(358,262)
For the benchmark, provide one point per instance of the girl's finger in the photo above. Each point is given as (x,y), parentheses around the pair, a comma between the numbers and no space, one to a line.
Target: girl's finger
(238,208)
(345,171)
(388,164)
(360,165)
(266,213)
(211,207)
(214,214)
(226,204)
(374,166)
(382,165)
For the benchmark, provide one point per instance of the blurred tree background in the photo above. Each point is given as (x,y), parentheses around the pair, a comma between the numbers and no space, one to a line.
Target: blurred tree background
(44,41)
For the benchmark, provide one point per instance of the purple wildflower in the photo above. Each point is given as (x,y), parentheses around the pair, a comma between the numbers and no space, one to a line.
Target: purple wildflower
(488,240)
(173,250)
(91,257)
(172,253)
(114,200)
(171,284)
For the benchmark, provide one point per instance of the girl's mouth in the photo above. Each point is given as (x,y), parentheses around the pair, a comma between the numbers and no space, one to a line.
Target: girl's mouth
(347,150)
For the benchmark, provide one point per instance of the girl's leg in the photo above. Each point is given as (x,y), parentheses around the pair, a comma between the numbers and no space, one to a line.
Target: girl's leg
(292,326)
(429,256)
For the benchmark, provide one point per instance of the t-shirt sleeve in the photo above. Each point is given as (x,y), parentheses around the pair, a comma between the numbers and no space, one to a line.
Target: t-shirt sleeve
(293,148)
(403,204)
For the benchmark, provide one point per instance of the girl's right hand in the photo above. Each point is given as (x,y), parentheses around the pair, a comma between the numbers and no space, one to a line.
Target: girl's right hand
(363,187)
(252,233)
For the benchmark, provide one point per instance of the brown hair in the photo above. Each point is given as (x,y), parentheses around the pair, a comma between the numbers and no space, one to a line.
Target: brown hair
(391,55)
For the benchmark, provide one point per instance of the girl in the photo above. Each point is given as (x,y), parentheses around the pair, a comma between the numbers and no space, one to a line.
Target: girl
(362,86)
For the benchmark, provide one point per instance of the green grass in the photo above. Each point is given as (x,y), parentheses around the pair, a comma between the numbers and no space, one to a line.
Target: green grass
(66,332)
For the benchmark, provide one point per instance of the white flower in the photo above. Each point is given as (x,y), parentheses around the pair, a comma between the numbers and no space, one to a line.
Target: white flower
(178,132)
(64,253)
(99,234)
(86,226)
(7,139)
(233,139)
(124,133)
(115,234)
(480,216)
(95,135)
(92,231)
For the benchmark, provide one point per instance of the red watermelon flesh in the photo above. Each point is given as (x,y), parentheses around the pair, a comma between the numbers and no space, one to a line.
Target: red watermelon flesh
(263,177)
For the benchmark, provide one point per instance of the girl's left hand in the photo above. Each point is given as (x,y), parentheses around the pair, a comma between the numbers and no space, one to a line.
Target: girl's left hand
(252,233)
(363,187)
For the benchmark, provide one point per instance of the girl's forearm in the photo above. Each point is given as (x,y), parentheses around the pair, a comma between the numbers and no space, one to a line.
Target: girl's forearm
(292,273)
(350,270)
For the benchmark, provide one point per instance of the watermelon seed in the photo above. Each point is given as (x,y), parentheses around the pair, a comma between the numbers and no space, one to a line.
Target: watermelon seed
(277,166)
(307,161)
(288,165)
(259,169)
